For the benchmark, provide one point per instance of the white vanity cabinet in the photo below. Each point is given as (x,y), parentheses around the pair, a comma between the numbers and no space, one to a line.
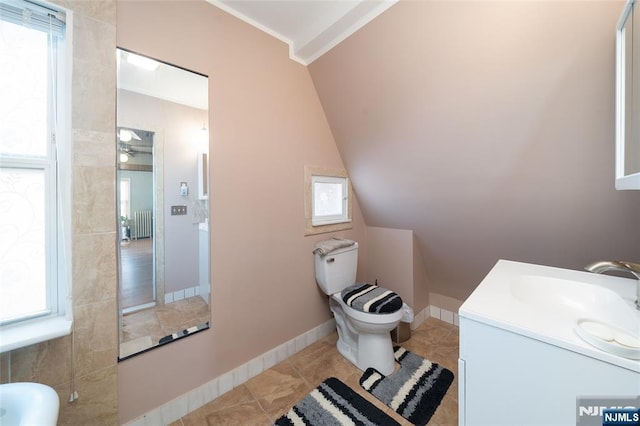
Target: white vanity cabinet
(522,363)
(506,378)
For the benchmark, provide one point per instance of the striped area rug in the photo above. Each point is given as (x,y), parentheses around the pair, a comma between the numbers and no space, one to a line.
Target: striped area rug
(334,403)
(414,391)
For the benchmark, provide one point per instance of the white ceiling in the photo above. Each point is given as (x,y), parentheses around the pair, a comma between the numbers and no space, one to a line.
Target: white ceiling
(166,82)
(309,27)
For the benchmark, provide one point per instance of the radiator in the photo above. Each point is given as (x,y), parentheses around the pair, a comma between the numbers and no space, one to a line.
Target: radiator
(142,224)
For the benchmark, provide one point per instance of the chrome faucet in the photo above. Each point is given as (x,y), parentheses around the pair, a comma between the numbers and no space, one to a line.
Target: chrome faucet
(618,266)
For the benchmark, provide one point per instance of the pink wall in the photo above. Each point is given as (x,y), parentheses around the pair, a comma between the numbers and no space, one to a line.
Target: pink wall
(395,260)
(421,285)
(266,124)
(390,260)
(486,127)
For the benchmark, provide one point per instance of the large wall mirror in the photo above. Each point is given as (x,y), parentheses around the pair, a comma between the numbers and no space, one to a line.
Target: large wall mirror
(628,98)
(162,203)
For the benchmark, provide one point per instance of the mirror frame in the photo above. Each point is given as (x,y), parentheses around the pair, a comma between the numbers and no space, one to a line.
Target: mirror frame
(622,180)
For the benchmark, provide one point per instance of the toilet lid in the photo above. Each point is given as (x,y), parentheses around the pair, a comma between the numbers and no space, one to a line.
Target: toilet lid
(370,298)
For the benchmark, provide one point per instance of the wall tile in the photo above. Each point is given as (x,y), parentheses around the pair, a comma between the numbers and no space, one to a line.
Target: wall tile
(97,400)
(94,274)
(94,92)
(102,10)
(97,42)
(96,336)
(94,196)
(94,148)
(47,362)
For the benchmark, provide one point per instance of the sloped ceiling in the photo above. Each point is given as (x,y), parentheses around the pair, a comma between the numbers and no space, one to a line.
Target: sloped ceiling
(487,128)
(309,27)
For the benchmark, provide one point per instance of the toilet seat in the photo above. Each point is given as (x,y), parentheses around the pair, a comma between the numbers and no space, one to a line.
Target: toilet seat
(367,317)
(369,298)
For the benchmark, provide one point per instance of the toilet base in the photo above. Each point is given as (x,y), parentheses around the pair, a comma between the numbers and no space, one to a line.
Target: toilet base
(364,349)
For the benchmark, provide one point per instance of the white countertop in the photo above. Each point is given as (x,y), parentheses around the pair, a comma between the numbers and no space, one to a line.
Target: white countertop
(494,303)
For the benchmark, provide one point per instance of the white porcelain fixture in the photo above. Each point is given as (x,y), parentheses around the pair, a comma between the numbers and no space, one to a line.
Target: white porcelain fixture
(550,335)
(363,338)
(27,404)
(575,299)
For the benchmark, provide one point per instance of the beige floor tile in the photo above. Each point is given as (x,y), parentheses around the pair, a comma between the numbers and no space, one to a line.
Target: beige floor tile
(246,414)
(267,396)
(325,362)
(278,389)
(235,397)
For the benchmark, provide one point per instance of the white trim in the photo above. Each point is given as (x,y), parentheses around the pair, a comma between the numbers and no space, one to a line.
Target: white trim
(622,180)
(628,182)
(444,315)
(133,309)
(306,51)
(332,37)
(343,181)
(435,312)
(174,296)
(29,333)
(57,200)
(196,398)
(231,11)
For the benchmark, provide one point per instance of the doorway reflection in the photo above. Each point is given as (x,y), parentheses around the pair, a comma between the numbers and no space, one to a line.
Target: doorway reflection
(136,206)
(164,277)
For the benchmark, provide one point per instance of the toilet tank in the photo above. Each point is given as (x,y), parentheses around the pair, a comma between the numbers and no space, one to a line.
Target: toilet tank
(337,270)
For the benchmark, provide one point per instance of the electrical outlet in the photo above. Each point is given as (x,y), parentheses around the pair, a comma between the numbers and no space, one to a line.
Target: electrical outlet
(178,210)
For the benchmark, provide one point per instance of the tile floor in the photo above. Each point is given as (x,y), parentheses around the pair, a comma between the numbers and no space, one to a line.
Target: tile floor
(160,321)
(264,398)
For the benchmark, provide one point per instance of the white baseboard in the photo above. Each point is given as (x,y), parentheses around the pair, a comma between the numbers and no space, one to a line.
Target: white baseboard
(435,312)
(444,315)
(196,398)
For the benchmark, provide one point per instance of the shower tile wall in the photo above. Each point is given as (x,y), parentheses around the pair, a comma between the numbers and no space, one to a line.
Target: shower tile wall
(93,234)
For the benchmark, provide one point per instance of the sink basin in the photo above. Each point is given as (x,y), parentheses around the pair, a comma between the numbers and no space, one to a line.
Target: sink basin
(561,307)
(574,299)
(23,404)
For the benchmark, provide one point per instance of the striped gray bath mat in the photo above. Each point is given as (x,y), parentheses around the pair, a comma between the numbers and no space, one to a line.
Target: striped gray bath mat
(334,403)
(414,391)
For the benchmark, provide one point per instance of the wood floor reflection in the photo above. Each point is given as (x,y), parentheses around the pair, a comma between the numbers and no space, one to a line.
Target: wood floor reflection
(136,272)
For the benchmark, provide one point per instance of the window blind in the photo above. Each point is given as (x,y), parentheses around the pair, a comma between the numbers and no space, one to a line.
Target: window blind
(33,15)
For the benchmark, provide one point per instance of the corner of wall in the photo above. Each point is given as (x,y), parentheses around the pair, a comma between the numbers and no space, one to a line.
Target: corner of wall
(420,277)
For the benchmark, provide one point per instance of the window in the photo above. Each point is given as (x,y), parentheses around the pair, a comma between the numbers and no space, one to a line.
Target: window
(330,201)
(327,200)
(34,177)
(125,198)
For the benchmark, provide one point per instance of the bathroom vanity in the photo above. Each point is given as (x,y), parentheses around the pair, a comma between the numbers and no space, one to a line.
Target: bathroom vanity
(521,360)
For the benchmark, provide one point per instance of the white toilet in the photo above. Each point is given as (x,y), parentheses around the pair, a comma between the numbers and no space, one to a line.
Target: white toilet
(363,337)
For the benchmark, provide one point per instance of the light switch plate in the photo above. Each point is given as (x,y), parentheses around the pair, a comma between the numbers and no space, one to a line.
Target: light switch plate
(178,210)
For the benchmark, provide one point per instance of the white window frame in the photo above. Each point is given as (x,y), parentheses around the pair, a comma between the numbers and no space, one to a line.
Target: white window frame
(125,197)
(56,321)
(317,225)
(343,216)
